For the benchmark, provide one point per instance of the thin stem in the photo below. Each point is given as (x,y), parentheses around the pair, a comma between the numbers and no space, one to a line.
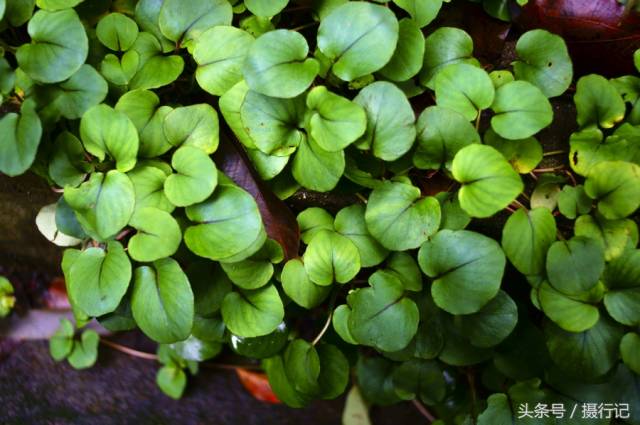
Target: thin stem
(552,153)
(478,120)
(122,234)
(214,365)
(525,196)
(423,410)
(361,197)
(548,170)
(532,174)
(57,190)
(129,351)
(8,48)
(324,328)
(305,26)
(471,379)
(519,204)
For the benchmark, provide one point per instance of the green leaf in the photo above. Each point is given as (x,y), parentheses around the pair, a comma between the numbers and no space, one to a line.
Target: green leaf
(85,351)
(382,316)
(103,204)
(105,131)
(273,124)
(498,411)
(622,277)
(194,125)
(162,301)
(313,220)
(545,62)
(331,257)
(466,268)
(335,122)
(523,155)
(158,235)
(350,222)
(404,267)
(265,8)
(629,350)
(316,168)
(261,347)
(281,385)
(614,235)
(251,273)
(408,57)
(489,183)
(334,371)
(340,322)
(445,46)
(61,342)
(195,179)
(526,238)
(588,149)
(148,185)
(228,225)
(616,187)
(56,4)
(465,89)
(144,110)
(196,350)
(521,110)
(117,31)
(18,12)
(420,378)
(84,89)
(267,166)
(298,286)
(99,278)
(492,324)
(253,313)
(574,266)
(21,137)
(573,201)
(147,13)
(598,102)
(422,12)
(220,53)
(441,134)
(453,216)
(390,121)
(58,48)
(302,366)
(501,77)
(277,64)
(358,38)
(172,380)
(210,285)
(586,354)
(570,314)
(399,218)
(375,378)
(155,70)
(46,223)
(185,25)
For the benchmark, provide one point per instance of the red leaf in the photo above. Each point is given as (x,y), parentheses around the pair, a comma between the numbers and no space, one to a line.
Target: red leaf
(601,34)
(279,221)
(258,385)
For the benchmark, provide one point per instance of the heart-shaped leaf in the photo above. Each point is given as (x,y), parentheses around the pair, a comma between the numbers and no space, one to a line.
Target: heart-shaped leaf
(158,235)
(614,235)
(489,183)
(622,277)
(442,133)
(117,31)
(58,48)
(570,314)
(162,301)
(195,180)
(56,4)
(523,155)
(277,64)
(61,342)
(99,278)
(120,71)
(521,110)
(466,268)
(315,168)
(302,366)
(154,69)
(408,57)
(335,121)
(172,380)
(103,204)
(298,286)
(312,221)
(148,185)
(526,238)
(574,266)
(493,323)
(573,201)
(229,226)
(545,62)
(422,12)
(331,257)
(105,131)
(399,218)
(465,89)
(598,102)
(381,315)
(390,121)
(265,8)
(21,137)
(220,53)
(195,125)
(350,223)
(253,313)
(358,38)
(184,25)
(616,187)
(76,95)
(85,351)
(629,349)
(445,46)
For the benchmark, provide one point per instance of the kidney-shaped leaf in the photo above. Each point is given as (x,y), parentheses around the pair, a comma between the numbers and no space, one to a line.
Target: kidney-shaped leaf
(194,125)
(277,64)
(158,235)
(20,139)
(493,323)
(59,46)
(315,168)
(265,8)
(598,102)
(466,268)
(381,315)
(407,60)
(359,38)
(105,131)
(465,89)
(489,183)
(253,313)
(616,187)
(117,31)
(298,286)
(195,180)
(570,314)
(185,24)
(574,266)
(399,218)
(445,46)
(350,223)
(331,257)
(521,110)
(162,301)
(622,277)
(423,12)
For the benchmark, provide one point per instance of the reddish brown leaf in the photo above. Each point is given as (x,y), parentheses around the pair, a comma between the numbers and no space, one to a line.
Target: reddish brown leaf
(56,297)
(257,385)
(279,221)
(601,34)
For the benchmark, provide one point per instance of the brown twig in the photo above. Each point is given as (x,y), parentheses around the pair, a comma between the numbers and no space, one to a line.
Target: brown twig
(552,153)
(423,410)
(129,351)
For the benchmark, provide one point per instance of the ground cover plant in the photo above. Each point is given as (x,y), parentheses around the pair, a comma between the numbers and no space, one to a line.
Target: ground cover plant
(460,273)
